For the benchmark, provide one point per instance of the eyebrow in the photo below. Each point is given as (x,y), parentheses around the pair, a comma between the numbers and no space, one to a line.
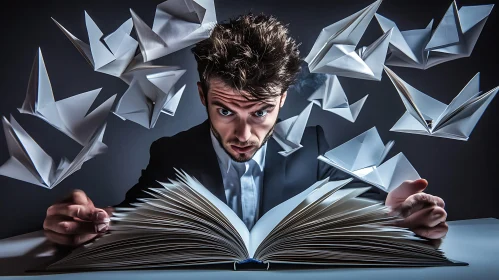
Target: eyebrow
(267,106)
(218,103)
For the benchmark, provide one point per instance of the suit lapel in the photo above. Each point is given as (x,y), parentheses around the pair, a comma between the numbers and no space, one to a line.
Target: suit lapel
(208,171)
(274,178)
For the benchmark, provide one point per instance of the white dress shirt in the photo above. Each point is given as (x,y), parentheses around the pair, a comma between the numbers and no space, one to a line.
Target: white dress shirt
(242,182)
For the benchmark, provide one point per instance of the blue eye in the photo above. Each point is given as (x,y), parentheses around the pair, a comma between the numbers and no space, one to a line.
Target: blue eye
(224,112)
(261,113)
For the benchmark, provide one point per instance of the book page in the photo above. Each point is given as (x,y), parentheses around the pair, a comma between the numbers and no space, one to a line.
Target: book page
(177,225)
(275,216)
(341,229)
(220,205)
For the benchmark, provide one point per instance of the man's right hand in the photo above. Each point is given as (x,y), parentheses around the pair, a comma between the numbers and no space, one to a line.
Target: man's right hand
(75,220)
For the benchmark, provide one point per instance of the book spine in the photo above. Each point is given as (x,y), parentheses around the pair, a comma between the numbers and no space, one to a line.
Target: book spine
(251,264)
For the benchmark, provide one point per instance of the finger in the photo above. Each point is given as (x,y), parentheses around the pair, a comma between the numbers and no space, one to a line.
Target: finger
(406,189)
(83,212)
(109,210)
(76,197)
(68,226)
(68,240)
(90,202)
(417,202)
(427,217)
(65,225)
(101,216)
(436,232)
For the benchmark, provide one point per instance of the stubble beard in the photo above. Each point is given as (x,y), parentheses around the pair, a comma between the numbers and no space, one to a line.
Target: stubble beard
(240,158)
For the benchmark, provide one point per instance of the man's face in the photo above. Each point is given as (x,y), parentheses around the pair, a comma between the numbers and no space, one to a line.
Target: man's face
(241,126)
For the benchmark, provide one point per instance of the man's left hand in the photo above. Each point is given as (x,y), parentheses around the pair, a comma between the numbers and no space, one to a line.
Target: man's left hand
(423,213)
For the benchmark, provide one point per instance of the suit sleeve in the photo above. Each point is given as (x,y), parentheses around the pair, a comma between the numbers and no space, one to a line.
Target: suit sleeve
(149,175)
(334,174)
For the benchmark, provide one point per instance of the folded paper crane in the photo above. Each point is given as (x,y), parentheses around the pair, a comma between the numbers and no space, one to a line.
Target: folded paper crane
(362,158)
(146,98)
(331,97)
(334,50)
(110,55)
(113,54)
(428,116)
(454,38)
(116,58)
(28,162)
(177,24)
(288,133)
(68,115)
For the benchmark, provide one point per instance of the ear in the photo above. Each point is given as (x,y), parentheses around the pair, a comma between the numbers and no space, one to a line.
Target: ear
(201,94)
(283,99)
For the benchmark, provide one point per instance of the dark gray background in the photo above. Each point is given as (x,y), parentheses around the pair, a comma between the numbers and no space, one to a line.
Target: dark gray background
(463,173)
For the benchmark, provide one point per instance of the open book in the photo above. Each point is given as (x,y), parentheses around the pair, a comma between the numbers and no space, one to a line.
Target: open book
(185,224)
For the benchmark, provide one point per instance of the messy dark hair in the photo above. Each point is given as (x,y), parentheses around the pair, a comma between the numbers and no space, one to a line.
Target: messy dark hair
(250,53)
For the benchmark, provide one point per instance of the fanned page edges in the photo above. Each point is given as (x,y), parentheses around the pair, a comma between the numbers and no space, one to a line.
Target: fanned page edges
(324,225)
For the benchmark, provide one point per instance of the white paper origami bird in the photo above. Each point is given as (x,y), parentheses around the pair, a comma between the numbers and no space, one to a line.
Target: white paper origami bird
(334,50)
(28,162)
(331,97)
(142,97)
(111,54)
(454,38)
(177,25)
(68,115)
(288,133)
(116,57)
(363,156)
(146,98)
(428,116)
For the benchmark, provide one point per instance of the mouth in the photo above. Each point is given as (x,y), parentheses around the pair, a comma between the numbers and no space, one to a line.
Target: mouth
(241,150)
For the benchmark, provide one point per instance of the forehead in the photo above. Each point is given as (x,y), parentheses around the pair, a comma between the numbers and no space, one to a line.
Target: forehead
(221,92)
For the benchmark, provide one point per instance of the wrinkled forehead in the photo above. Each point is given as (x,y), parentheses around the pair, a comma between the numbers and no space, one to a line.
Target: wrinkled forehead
(220,91)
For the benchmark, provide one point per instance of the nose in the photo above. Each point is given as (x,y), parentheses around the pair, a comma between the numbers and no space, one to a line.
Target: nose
(243,131)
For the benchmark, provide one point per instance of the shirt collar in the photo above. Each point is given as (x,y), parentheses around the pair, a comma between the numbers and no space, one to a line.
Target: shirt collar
(226,161)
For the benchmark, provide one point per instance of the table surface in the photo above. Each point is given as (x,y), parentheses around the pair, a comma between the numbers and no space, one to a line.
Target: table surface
(473,241)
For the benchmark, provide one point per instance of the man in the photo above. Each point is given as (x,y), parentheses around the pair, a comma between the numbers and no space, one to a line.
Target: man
(245,67)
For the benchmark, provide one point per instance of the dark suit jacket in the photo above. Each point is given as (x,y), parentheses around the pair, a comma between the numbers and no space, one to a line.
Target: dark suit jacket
(283,177)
